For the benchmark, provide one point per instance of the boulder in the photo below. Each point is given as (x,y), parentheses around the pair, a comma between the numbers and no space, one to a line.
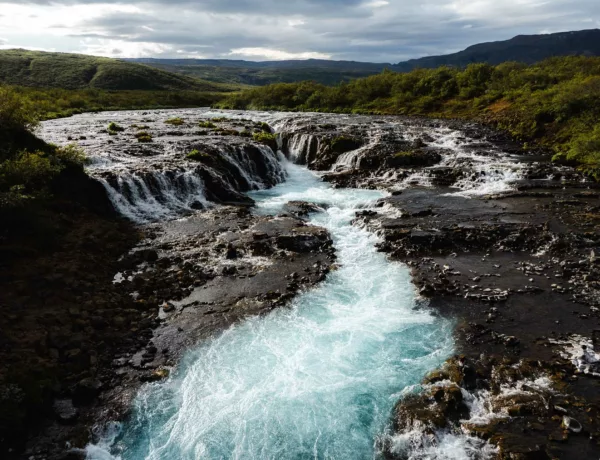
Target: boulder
(86,391)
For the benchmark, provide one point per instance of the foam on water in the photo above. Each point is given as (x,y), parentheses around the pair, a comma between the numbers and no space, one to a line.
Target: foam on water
(316,380)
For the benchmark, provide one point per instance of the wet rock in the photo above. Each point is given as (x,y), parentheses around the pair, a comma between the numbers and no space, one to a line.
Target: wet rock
(311,239)
(86,391)
(65,411)
(231,252)
(413,158)
(301,208)
(168,307)
(435,408)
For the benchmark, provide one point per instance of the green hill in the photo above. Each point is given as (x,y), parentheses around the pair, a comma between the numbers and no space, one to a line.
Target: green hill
(264,73)
(522,48)
(76,71)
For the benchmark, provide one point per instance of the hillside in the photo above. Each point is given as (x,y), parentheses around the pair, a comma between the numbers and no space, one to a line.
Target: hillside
(264,73)
(522,48)
(554,103)
(76,71)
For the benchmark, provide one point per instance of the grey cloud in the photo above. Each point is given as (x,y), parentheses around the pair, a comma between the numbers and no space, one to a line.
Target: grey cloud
(344,29)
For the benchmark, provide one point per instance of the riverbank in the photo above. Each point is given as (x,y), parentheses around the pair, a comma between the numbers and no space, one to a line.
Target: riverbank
(462,198)
(516,266)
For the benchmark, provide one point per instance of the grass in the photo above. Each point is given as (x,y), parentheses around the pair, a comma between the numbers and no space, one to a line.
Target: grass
(75,71)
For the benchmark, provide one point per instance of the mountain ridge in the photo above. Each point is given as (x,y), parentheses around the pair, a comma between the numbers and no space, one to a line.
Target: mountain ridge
(522,48)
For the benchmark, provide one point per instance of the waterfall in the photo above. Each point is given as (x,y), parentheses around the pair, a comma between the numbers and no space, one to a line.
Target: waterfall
(165,193)
(155,195)
(303,148)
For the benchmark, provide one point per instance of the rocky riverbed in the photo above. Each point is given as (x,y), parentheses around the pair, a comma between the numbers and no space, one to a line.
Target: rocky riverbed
(505,242)
(496,237)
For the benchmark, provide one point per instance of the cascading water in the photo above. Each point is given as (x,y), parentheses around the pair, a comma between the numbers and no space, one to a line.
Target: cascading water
(316,380)
(172,194)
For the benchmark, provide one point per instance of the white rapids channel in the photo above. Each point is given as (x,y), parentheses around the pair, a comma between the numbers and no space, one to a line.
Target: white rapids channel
(317,380)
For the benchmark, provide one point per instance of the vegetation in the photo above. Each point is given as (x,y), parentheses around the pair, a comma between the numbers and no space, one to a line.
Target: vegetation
(196,155)
(264,138)
(555,103)
(75,71)
(175,121)
(27,165)
(45,104)
(207,124)
(144,137)
(114,128)
(264,73)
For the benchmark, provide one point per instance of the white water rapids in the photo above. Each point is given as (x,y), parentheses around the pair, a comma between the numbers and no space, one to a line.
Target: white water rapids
(316,380)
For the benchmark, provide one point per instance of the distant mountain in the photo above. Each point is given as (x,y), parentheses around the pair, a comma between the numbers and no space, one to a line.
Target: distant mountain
(522,48)
(77,71)
(263,73)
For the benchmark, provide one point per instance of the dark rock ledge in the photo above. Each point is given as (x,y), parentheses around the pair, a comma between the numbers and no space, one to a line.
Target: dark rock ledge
(519,274)
(183,282)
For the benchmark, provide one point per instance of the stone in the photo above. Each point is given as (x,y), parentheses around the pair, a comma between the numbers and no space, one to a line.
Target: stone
(86,391)
(65,411)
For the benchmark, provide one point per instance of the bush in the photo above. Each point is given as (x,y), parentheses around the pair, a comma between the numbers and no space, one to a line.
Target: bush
(554,103)
(207,124)
(16,112)
(175,121)
(264,138)
(196,155)
(115,128)
(28,175)
(143,136)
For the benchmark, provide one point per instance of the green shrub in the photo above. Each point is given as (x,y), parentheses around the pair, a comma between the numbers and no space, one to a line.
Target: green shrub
(264,127)
(115,128)
(196,155)
(175,121)
(554,103)
(28,175)
(264,138)
(16,112)
(143,136)
(207,124)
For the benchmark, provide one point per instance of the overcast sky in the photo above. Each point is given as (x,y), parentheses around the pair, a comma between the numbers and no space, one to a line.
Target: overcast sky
(365,30)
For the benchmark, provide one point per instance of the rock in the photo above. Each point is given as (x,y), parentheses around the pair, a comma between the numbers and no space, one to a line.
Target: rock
(65,411)
(309,240)
(156,376)
(569,423)
(86,391)
(413,158)
(301,208)
(167,307)
(231,252)
(229,270)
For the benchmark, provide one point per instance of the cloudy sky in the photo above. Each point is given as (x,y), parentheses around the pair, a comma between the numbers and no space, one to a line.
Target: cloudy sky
(365,30)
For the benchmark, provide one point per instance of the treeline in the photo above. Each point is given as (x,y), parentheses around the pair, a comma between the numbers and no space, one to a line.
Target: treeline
(555,103)
(48,103)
